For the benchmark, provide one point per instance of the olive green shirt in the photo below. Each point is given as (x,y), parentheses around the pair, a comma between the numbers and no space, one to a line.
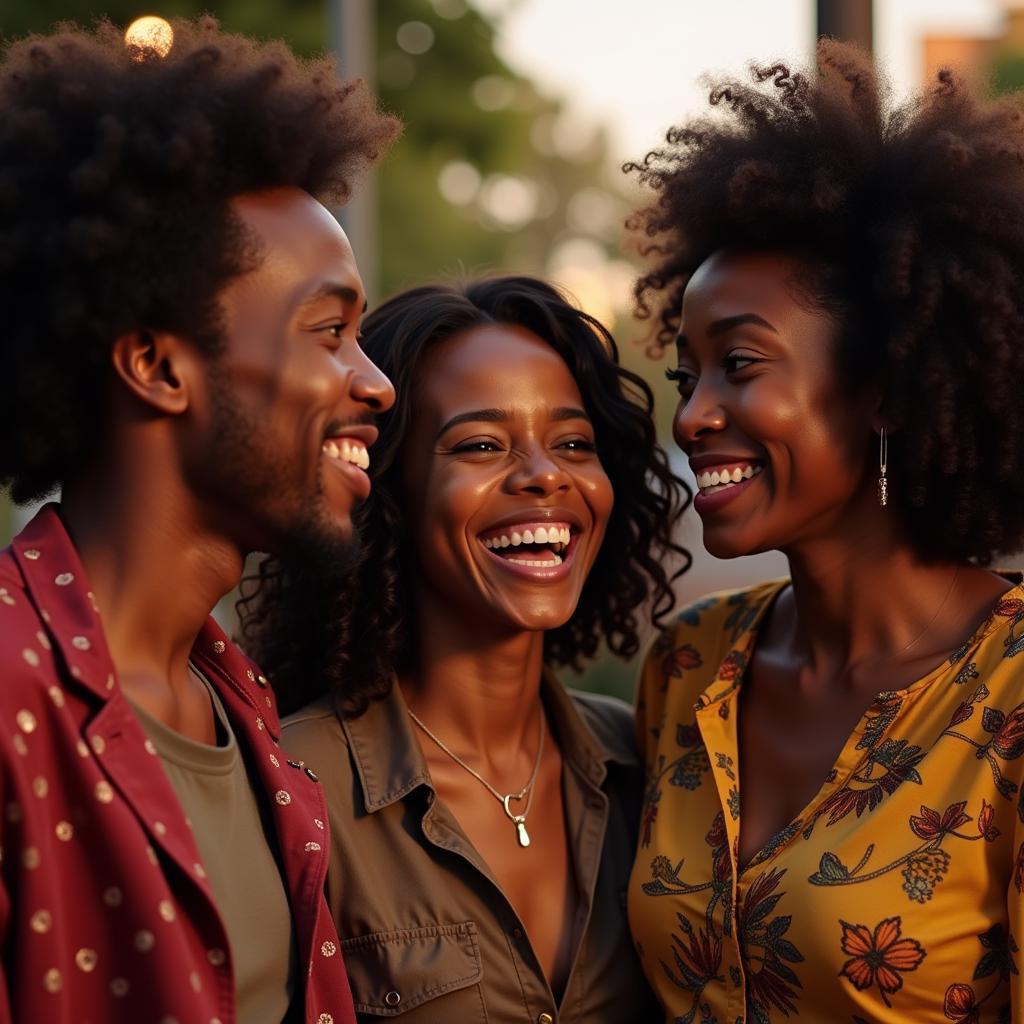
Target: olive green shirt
(426,933)
(234,840)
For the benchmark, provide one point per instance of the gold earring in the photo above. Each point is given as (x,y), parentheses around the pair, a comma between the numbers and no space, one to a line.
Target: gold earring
(883,459)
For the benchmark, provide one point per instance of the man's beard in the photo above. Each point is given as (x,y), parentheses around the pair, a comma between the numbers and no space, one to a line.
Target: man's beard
(265,485)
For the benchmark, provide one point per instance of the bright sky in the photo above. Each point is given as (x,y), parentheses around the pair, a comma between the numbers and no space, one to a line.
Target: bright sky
(635,63)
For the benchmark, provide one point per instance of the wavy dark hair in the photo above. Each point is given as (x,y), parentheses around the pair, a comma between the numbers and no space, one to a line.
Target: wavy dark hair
(909,224)
(117,168)
(310,634)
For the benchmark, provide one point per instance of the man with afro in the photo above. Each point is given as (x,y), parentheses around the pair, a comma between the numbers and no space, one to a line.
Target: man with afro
(181,361)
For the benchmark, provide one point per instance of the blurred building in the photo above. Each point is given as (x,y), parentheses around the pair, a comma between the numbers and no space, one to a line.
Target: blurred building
(992,63)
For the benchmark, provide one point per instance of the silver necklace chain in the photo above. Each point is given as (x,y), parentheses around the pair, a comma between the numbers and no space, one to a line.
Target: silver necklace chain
(505,799)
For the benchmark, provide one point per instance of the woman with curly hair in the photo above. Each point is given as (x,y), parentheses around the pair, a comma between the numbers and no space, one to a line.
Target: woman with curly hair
(484,818)
(833,825)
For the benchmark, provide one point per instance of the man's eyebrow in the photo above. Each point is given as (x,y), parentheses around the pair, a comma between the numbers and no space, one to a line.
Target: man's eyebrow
(474,416)
(331,290)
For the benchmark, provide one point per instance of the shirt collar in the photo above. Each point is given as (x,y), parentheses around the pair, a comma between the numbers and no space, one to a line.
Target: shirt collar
(55,579)
(390,763)
(745,613)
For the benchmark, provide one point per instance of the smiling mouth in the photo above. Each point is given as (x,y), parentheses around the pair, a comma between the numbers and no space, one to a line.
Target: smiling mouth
(722,478)
(348,450)
(537,545)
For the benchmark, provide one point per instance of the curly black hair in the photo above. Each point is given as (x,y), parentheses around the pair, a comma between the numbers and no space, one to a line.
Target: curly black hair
(352,637)
(908,222)
(116,171)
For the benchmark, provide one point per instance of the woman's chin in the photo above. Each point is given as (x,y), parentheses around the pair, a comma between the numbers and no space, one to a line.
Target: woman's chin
(538,619)
(727,544)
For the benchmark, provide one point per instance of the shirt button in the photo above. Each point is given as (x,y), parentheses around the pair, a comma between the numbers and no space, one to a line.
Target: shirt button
(517,934)
(545,1018)
(393,998)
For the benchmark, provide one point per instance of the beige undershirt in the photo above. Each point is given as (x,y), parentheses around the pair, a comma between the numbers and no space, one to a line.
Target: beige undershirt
(235,837)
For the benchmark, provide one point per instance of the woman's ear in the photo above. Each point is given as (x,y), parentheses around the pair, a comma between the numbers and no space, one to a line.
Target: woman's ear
(155,367)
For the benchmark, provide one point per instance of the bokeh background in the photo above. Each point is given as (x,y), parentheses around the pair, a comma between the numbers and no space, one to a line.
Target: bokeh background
(519,115)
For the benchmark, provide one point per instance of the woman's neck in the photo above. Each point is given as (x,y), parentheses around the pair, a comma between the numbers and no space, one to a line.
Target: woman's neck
(478,692)
(871,601)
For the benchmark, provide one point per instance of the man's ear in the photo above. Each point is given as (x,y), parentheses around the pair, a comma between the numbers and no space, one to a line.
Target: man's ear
(155,367)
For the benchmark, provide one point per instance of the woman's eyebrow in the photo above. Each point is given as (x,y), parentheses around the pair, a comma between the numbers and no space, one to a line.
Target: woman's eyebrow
(727,323)
(474,416)
(569,413)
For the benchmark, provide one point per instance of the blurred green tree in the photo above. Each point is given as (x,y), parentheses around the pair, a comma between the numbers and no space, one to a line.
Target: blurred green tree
(511,158)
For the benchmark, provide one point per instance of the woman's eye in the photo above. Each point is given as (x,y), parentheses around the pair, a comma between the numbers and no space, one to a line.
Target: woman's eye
(736,363)
(476,446)
(683,379)
(578,444)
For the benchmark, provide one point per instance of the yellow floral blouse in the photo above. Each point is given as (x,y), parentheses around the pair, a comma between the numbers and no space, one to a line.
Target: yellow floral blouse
(894,897)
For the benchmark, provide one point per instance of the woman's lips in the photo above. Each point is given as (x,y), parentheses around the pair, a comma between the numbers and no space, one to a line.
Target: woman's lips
(716,497)
(539,551)
(550,572)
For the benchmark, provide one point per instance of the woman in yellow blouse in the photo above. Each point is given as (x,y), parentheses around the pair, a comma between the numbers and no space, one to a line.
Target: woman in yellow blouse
(833,824)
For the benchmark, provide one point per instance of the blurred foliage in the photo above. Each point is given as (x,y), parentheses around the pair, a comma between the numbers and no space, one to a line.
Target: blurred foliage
(1007,72)
(421,235)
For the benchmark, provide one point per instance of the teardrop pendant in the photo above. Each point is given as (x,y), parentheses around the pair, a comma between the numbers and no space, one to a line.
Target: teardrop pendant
(523,835)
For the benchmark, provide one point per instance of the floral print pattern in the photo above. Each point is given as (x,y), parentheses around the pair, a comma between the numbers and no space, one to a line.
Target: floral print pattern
(909,859)
(879,957)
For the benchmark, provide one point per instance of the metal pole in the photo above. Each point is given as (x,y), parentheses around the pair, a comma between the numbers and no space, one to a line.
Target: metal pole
(351,24)
(849,20)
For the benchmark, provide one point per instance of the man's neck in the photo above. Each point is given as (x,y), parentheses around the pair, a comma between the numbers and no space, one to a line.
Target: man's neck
(155,572)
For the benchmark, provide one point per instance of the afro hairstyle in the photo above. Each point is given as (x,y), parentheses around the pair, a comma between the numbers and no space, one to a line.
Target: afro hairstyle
(117,167)
(908,223)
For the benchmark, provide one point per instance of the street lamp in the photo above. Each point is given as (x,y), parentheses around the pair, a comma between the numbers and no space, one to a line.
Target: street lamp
(351,26)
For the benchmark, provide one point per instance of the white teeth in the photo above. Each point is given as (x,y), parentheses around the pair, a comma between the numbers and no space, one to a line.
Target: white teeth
(550,564)
(348,452)
(726,477)
(557,536)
